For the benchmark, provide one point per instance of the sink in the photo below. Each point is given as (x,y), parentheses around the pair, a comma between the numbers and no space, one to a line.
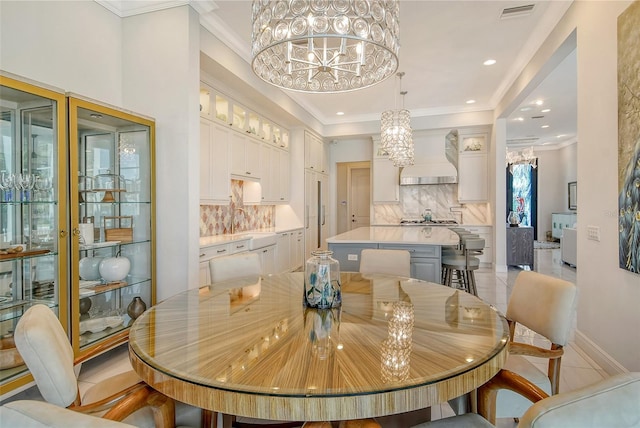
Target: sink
(261,239)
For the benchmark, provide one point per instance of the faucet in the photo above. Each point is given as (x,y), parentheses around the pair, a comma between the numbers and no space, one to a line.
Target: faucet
(233,219)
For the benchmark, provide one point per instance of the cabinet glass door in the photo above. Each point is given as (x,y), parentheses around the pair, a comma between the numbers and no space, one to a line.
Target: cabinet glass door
(32,212)
(112,248)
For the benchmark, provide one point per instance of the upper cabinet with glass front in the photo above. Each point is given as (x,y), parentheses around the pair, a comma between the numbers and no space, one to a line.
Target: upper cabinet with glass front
(112,182)
(33,216)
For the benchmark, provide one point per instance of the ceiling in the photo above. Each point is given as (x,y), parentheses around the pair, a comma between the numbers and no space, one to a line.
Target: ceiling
(443,47)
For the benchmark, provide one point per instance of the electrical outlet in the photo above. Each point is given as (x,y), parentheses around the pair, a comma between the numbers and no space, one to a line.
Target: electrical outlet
(593,233)
(352,257)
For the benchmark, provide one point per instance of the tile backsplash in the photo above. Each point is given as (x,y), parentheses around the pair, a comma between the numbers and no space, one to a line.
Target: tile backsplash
(216,219)
(442,199)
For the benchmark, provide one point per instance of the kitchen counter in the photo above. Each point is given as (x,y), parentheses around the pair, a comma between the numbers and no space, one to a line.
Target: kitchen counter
(207,241)
(423,243)
(425,235)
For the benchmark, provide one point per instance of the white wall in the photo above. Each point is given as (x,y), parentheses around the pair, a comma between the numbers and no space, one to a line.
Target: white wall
(608,296)
(556,168)
(80,47)
(161,72)
(75,46)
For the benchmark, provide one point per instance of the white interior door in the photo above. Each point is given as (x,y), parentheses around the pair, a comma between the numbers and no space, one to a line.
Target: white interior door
(359,197)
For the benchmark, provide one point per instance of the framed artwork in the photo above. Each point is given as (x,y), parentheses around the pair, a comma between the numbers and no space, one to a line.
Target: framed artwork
(629,138)
(573,195)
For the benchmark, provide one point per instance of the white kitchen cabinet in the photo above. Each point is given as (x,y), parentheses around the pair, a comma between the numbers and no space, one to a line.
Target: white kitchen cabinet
(214,163)
(283,251)
(267,183)
(267,259)
(315,211)
(473,167)
(284,176)
(275,174)
(386,187)
(245,156)
(314,153)
(473,177)
(296,247)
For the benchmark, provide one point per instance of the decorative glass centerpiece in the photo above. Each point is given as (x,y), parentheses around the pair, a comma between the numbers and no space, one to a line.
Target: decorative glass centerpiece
(322,281)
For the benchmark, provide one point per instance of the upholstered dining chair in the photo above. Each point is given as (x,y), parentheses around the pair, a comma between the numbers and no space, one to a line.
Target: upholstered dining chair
(545,305)
(40,414)
(385,262)
(234,266)
(48,355)
(612,402)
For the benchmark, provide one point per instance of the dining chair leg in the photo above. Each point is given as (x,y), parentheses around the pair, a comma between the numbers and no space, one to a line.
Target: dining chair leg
(209,419)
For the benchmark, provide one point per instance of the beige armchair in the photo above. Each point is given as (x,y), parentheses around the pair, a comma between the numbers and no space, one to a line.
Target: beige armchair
(613,402)
(46,351)
(545,305)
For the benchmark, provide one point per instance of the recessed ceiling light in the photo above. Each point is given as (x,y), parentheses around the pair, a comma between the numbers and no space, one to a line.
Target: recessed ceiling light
(340,113)
(489,62)
(546,110)
(96,116)
(519,119)
(544,126)
(525,109)
(539,102)
(470,101)
(560,135)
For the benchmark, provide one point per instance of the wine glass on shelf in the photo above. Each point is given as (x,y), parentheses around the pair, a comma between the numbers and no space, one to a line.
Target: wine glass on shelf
(42,186)
(25,182)
(7,182)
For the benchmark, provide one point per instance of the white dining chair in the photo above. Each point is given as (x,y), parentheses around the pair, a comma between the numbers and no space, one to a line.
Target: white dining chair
(385,262)
(234,266)
(40,414)
(612,402)
(47,353)
(546,306)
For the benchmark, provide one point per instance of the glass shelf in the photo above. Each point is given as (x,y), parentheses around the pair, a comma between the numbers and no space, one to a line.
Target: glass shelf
(105,287)
(13,310)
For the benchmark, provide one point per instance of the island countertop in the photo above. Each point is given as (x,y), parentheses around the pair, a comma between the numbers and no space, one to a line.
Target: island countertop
(425,235)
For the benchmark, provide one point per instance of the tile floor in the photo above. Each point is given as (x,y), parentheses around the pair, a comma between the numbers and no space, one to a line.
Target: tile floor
(577,369)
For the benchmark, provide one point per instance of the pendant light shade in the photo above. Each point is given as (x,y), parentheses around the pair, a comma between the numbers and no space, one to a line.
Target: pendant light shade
(396,134)
(324,46)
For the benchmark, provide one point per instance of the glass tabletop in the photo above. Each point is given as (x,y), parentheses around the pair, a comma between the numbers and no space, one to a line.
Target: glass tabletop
(255,336)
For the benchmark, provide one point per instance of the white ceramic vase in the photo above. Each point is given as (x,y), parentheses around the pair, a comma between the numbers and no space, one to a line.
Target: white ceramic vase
(114,268)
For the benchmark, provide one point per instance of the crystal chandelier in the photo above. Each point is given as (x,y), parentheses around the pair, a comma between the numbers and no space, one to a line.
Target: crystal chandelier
(525,157)
(324,46)
(396,134)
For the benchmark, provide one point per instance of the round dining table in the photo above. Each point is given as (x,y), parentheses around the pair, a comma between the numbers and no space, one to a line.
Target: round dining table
(249,347)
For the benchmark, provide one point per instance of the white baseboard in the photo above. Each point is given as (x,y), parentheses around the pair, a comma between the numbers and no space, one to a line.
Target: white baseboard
(601,358)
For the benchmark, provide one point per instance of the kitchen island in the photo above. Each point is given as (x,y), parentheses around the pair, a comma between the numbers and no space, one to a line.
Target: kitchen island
(423,242)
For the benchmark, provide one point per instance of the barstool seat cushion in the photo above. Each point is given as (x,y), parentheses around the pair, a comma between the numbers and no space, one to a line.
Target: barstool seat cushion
(460,261)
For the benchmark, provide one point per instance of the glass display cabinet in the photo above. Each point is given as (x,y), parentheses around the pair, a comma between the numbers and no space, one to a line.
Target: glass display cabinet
(112,247)
(33,212)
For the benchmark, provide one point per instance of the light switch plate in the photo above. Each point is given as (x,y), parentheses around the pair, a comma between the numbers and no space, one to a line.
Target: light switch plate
(593,233)
(352,257)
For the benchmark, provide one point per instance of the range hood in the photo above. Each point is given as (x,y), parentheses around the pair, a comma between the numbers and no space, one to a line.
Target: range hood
(429,170)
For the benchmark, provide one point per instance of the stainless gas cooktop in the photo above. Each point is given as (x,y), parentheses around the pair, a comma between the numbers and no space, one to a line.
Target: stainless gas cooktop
(422,222)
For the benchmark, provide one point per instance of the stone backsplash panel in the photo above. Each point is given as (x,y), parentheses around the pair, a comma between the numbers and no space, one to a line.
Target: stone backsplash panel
(216,219)
(442,199)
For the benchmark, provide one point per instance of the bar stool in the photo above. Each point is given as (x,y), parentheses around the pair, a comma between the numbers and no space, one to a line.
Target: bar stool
(463,265)
(463,235)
